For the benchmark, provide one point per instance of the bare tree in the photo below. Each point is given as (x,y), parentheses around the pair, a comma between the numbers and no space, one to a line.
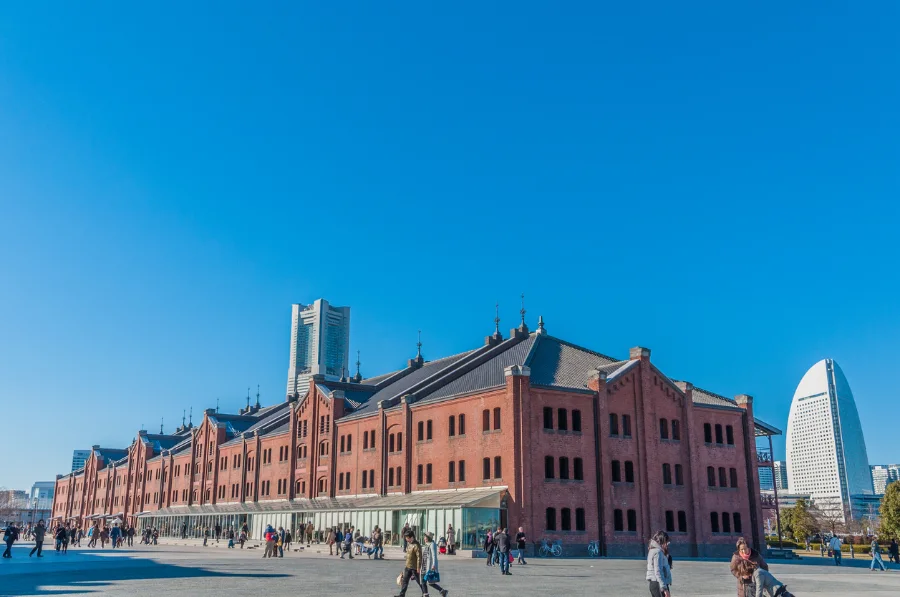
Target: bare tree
(8,506)
(829,516)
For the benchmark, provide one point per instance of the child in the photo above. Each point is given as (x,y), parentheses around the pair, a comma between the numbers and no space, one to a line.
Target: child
(765,583)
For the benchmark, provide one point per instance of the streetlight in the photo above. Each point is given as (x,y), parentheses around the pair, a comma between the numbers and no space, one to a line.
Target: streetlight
(34,504)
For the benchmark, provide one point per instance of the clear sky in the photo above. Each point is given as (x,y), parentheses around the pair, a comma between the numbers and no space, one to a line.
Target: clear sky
(715,181)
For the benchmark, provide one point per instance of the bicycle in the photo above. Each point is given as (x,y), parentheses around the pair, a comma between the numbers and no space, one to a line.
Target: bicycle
(594,549)
(547,549)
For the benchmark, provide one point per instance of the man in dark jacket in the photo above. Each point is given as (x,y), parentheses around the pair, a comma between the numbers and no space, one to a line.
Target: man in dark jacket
(38,533)
(10,536)
(503,545)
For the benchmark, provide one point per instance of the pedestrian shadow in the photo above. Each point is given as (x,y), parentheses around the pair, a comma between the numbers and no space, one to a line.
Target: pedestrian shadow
(816,561)
(96,573)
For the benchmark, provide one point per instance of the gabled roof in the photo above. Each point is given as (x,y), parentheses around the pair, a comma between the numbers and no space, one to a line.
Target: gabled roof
(110,455)
(560,364)
(161,442)
(708,398)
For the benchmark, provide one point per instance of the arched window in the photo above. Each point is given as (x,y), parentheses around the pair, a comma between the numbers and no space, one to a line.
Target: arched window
(548,467)
(663,429)
(451,426)
(486,468)
(579,469)
(391,443)
(618,521)
(551,519)
(682,521)
(566,519)
(496,418)
(576,421)
(616,471)
(548,417)
(714,521)
(613,424)
(723,479)
(421,431)
(707,433)
(451,472)
(667,473)
(562,419)
(737,522)
(726,522)
(563,467)
(710,476)
(632,521)
(734,477)
(428,428)
(729,435)
(462,424)
(486,420)
(679,475)
(629,471)
(579,520)
(498,472)
(676,430)
(718,433)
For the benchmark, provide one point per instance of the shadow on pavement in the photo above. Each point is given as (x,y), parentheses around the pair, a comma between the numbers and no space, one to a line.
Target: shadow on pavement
(93,572)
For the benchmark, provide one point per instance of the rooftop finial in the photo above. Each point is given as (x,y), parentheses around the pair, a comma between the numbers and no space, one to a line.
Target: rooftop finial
(183,413)
(161,425)
(522,310)
(496,319)
(248,399)
(217,405)
(257,395)
(419,346)
(541,329)
(191,417)
(357,363)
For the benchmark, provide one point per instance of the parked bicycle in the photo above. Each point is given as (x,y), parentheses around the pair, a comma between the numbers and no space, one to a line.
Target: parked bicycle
(548,549)
(594,549)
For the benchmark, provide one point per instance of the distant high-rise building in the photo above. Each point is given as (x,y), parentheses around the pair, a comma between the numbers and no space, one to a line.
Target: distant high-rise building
(320,342)
(883,475)
(826,452)
(781,476)
(79,457)
(43,492)
(766,479)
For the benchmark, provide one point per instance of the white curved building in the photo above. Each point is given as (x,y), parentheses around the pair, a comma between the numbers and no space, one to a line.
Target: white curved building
(826,452)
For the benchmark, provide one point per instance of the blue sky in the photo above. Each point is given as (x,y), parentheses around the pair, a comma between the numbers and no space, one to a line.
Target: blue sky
(716,182)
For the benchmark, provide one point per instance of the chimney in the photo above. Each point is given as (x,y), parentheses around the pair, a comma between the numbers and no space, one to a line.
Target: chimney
(639,353)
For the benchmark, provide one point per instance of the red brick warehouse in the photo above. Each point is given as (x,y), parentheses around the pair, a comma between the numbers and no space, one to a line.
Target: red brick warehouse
(528,431)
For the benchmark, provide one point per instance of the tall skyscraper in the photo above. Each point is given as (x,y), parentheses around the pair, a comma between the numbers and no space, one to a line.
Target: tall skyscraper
(826,452)
(766,479)
(883,475)
(320,343)
(79,457)
(781,476)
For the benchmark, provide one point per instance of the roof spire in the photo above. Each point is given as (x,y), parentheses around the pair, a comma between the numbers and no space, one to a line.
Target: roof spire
(496,319)
(161,425)
(248,399)
(357,363)
(183,413)
(541,329)
(217,405)
(257,395)
(419,346)
(522,310)
(191,417)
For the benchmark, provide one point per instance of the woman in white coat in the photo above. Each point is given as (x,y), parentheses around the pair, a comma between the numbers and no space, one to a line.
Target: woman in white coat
(430,574)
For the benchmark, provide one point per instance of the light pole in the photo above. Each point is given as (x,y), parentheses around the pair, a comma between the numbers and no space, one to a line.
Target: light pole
(34,503)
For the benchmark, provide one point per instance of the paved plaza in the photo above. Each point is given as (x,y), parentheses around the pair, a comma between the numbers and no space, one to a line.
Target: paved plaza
(170,570)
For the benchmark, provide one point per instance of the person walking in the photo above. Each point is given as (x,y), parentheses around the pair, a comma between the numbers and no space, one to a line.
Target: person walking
(242,538)
(347,544)
(745,552)
(183,529)
(330,540)
(38,534)
(489,548)
(403,532)
(93,535)
(115,534)
(288,539)
(894,551)
(520,545)
(218,532)
(269,537)
(835,546)
(130,535)
(413,563)
(205,535)
(378,543)
(431,576)
(503,548)
(279,542)
(10,536)
(659,572)
(60,537)
(876,555)
(309,533)
(451,540)
(104,537)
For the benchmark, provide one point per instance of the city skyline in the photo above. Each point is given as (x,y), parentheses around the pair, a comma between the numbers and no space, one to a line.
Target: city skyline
(644,176)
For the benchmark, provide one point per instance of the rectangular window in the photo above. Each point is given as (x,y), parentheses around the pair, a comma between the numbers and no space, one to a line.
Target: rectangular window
(707,433)
(710,476)
(365,441)
(566,519)
(734,477)
(496,418)
(548,417)
(485,420)
(498,473)
(726,522)
(428,474)
(419,475)
(679,475)
(342,444)
(663,429)
(718,434)
(391,443)
(618,522)
(629,471)
(391,477)
(451,471)
(549,463)
(462,424)
(738,528)
(723,479)
(579,520)
(670,521)
(576,421)
(428,430)
(451,426)
(626,425)
(632,521)
(420,436)
(613,424)
(562,419)
(486,466)
(682,522)
(349,442)
(676,430)
(616,471)
(462,471)
(551,519)
(400,442)
(563,468)
(714,521)
(667,473)
(399,475)
(729,435)
(579,469)
(365,480)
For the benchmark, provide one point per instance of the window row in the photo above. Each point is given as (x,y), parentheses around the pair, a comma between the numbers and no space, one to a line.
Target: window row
(426,479)
(667,474)
(486,420)
(456,467)
(562,419)
(565,519)
(723,477)
(708,434)
(395,481)
(619,522)
(395,442)
(670,521)
(550,470)
(486,469)
(346,446)
(425,431)
(664,425)
(302,429)
(457,425)
(727,520)
(369,440)
(614,425)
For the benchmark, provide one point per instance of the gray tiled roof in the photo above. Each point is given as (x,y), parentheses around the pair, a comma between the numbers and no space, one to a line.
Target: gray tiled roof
(161,442)
(557,363)
(702,396)
(486,375)
(111,454)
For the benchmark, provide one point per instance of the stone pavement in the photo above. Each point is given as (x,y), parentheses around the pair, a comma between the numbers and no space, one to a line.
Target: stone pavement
(170,570)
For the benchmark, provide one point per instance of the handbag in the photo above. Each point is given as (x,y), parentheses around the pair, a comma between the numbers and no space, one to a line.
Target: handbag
(432,576)
(511,558)
(400,579)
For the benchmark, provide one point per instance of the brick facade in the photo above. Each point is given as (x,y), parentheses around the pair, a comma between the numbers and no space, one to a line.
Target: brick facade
(614,455)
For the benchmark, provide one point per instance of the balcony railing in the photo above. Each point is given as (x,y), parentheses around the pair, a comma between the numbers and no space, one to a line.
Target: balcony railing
(764,458)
